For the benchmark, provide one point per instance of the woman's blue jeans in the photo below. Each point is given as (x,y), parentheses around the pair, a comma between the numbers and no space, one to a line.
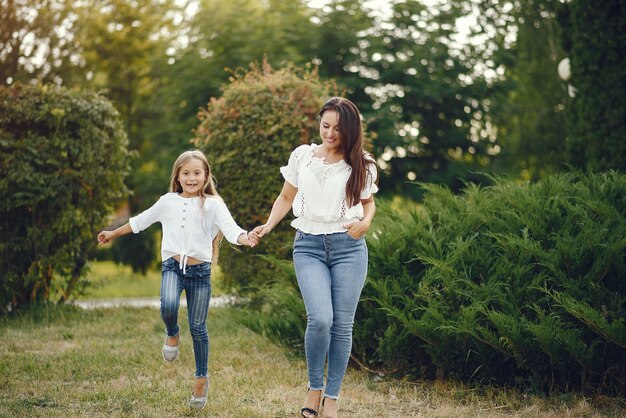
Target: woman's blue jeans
(196,281)
(331,271)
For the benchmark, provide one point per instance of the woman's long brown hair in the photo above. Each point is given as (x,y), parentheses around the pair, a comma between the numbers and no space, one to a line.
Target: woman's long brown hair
(351,132)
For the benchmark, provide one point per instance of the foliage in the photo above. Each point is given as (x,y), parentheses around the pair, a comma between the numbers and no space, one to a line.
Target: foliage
(594,39)
(528,101)
(32,46)
(515,284)
(340,27)
(247,134)
(230,35)
(278,311)
(430,111)
(64,158)
(123,50)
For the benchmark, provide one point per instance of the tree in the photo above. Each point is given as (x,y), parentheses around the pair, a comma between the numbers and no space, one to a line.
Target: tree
(247,134)
(36,40)
(431,113)
(528,99)
(595,35)
(341,29)
(72,149)
(123,46)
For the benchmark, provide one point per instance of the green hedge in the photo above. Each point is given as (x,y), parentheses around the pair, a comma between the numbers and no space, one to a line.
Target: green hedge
(247,134)
(514,284)
(63,159)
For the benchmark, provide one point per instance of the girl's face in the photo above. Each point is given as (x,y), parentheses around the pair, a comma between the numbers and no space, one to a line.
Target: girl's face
(192,176)
(329,131)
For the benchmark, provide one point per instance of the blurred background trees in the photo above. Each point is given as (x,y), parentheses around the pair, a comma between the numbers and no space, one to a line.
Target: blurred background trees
(448,89)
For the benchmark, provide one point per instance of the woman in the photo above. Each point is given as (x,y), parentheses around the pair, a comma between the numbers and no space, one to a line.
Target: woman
(330,188)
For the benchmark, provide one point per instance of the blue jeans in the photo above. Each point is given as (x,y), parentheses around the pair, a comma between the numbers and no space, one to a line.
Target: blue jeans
(331,271)
(197,285)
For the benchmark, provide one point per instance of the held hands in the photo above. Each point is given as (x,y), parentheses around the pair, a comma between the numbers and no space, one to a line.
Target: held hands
(254,237)
(251,239)
(262,230)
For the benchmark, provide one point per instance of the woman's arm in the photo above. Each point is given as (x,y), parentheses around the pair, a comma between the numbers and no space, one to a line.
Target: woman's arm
(280,208)
(105,237)
(357,229)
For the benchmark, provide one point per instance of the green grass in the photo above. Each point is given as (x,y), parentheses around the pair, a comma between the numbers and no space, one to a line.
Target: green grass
(111,280)
(68,362)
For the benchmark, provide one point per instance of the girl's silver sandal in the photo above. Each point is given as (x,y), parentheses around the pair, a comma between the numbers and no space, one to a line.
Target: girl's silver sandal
(198,402)
(170,352)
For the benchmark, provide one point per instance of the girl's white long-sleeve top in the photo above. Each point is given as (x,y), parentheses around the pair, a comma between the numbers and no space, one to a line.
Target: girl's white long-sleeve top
(188,228)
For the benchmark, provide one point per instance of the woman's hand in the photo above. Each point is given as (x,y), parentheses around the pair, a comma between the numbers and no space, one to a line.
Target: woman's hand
(357,229)
(262,230)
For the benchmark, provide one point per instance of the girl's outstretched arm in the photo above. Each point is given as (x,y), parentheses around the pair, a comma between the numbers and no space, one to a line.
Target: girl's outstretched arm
(281,207)
(105,237)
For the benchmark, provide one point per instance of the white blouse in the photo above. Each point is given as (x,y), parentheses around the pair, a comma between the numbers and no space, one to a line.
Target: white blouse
(320,205)
(188,229)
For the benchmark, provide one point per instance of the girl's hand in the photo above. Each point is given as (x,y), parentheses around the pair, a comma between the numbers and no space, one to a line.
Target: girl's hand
(105,237)
(253,239)
(357,229)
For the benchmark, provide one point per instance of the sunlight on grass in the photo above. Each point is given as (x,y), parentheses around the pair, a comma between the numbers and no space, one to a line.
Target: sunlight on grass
(111,280)
(64,361)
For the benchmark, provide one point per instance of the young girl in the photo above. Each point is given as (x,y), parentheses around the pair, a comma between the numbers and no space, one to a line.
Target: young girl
(192,216)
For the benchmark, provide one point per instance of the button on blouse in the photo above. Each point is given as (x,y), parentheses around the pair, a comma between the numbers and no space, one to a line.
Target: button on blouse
(174,212)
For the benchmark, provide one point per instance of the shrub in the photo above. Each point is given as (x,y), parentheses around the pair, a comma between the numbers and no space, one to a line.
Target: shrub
(63,157)
(247,134)
(513,284)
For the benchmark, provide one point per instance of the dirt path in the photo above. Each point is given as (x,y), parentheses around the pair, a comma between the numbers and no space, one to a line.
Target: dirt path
(152,302)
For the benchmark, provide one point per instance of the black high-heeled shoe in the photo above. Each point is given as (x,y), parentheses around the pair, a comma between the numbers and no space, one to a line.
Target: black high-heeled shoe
(309,411)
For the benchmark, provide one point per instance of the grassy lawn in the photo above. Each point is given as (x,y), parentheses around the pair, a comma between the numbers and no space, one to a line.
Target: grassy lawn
(68,362)
(110,280)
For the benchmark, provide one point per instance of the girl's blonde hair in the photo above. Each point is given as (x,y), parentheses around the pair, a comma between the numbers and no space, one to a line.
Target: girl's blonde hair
(208,189)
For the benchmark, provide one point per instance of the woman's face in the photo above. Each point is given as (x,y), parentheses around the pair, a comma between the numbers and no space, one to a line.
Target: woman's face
(329,131)
(191,177)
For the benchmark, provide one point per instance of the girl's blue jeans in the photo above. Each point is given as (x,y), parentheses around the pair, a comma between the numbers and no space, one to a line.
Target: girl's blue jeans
(197,285)
(331,271)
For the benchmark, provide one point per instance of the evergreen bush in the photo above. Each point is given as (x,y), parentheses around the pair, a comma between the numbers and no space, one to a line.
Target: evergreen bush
(512,284)
(63,158)
(247,134)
